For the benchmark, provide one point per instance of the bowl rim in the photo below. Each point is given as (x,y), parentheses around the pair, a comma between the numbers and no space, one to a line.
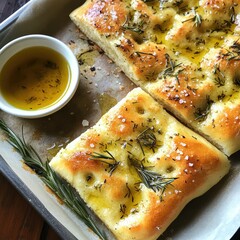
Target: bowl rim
(17,45)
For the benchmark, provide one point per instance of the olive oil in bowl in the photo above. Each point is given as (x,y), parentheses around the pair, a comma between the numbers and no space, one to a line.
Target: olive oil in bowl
(39,75)
(34,78)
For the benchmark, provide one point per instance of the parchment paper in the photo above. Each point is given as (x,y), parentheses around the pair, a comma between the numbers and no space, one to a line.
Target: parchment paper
(214,216)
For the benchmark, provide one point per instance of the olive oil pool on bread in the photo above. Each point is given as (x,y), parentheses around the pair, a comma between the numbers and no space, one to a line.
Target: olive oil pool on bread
(34,78)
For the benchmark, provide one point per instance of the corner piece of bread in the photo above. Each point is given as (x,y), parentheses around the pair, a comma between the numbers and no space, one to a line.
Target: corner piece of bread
(138,167)
(190,67)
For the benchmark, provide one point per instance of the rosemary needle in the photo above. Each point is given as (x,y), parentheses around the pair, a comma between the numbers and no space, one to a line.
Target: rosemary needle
(57,184)
(150,179)
(107,159)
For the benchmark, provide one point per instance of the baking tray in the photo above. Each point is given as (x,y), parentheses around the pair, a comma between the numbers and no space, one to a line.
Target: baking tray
(88,104)
(4,25)
(34,201)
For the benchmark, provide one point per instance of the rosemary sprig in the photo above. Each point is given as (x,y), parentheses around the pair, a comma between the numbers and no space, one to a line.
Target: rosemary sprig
(123,209)
(151,179)
(107,158)
(172,69)
(221,96)
(234,52)
(147,139)
(230,55)
(129,193)
(57,184)
(171,65)
(128,25)
(220,78)
(30,157)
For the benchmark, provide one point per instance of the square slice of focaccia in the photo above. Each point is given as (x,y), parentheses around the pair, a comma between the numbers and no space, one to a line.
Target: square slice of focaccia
(185,53)
(138,167)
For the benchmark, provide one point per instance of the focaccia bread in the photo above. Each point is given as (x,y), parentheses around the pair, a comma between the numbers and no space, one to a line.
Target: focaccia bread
(138,167)
(185,53)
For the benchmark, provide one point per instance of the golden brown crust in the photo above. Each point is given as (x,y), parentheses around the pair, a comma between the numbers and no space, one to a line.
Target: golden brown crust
(184,53)
(137,135)
(106,16)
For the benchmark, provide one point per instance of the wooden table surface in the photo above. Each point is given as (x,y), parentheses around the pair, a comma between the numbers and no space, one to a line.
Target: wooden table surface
(18,219)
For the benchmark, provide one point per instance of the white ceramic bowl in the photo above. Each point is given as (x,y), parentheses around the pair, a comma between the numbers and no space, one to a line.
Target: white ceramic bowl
(27,41)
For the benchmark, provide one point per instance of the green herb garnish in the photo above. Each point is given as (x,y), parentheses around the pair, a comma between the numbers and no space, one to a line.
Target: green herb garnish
(129,193)
(130,25)
(220,78)
(234,52)
(171,65)
(150,179)
(107,159)
(221,96)
(57,184)
(172,69)
(147,139)
(123,208)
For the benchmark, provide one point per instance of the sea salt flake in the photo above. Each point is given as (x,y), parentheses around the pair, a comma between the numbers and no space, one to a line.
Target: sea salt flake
(85,123)
(121,128)
(114,14)
(178,157)
(183,144)
(181,101)
(179,152)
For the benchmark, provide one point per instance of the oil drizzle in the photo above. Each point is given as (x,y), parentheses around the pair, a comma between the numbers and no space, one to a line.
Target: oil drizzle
(106,102)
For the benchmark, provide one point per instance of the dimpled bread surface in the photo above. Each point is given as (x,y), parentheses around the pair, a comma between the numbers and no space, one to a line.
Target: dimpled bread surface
(138,167)
(185,53)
